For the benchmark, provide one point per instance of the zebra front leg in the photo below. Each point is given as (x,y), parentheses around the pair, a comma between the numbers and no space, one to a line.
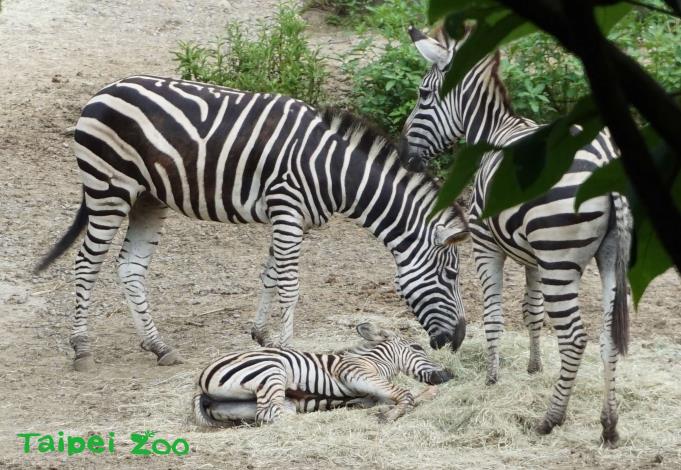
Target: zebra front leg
(142,238)
(270,398)
(489,264)
(560,300)
(104,220)
(267,294)
(533,316)
(370,385)
(287,238)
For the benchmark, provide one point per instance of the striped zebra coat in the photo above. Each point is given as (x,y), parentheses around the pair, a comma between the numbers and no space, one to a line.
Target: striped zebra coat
(145,145)
(263,385)
(548,236)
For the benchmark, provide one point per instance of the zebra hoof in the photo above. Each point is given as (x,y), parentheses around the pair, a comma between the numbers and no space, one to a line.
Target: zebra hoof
(84,364)
(610,439)
(170,358)
(544,427)
(491,380)
(534,368)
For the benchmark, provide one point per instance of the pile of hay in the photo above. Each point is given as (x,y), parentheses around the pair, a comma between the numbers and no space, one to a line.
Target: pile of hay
(470,424)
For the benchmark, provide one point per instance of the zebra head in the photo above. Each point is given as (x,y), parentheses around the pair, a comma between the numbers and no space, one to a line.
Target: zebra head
(427,279)
(407,357)
(431,128)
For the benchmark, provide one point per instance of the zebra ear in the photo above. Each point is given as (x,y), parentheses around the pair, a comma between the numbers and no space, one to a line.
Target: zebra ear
(370,333)
(451,235)
(433,51)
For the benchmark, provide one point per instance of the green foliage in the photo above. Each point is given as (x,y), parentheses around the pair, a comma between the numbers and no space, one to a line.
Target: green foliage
(384,90)
(279,60)
(531,166)
(545,80)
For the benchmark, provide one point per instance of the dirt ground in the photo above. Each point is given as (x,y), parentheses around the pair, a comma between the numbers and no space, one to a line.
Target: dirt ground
(204,280)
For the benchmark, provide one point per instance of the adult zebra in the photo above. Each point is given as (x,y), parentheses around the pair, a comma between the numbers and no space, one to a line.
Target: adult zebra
(546,235)
(145,144)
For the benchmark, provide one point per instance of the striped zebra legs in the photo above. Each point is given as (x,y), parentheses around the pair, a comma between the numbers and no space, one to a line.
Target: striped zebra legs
(606,261)
(105,217)
(533,316)
(144,233)
(561,304)
(270,397)
(267,294)
(489,265)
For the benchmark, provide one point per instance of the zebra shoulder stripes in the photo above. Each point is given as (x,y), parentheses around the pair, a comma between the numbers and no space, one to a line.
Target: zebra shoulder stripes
(552,240)
(265,384)
(146,144)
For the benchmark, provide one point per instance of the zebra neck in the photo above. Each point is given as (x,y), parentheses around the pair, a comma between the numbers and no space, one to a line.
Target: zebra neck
(485,108)
(391,203)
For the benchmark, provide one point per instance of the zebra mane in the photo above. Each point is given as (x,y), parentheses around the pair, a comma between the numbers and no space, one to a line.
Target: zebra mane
(353,127)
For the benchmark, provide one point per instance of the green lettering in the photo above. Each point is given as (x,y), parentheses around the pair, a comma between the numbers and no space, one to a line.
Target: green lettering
(27,440)
(46,443)
(95,444)
(111,442)
(140,440)
(155,446)
(185,447)
(75,445)
(60,442)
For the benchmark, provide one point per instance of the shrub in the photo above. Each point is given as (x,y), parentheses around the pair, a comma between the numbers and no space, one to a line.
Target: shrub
(279,61)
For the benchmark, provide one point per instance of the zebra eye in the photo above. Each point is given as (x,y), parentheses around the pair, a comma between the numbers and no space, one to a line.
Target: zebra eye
(425,93)
(417,347)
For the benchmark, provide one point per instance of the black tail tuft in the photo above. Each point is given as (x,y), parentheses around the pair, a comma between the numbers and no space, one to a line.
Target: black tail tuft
(67,240)
(619,328)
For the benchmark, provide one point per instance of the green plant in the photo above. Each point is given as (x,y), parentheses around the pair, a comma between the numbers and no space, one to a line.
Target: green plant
(279,60)
(384,89)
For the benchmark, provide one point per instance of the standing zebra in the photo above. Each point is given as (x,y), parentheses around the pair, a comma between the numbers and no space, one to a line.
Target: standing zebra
(553,241)
(145,144)
(264,384)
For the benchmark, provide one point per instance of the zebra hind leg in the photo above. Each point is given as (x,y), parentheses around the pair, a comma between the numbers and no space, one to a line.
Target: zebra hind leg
(561,291)
(142,238)
(271,398)
(533,317)
(105,216)
(606,260)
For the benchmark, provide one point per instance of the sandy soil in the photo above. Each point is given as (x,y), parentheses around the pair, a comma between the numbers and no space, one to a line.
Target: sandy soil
(204,279)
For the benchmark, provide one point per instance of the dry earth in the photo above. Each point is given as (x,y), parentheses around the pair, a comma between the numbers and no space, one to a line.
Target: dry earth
(204,279)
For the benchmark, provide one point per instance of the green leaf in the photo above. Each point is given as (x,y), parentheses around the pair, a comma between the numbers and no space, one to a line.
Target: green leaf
(464,167)
(485,38)
(531,166)
(606,179)
(608,16)
(440,8)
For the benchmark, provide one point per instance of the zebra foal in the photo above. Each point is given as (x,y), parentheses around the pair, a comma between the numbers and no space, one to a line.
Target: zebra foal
(146,145)
(547,235)
(265,384)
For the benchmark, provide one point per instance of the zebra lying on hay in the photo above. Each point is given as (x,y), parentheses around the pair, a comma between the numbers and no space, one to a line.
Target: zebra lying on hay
(262,385)
(547,235)
(147,144)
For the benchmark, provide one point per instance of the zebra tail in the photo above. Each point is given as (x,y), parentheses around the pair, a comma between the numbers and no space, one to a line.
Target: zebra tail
(620,315)
(201,415)
(66,240)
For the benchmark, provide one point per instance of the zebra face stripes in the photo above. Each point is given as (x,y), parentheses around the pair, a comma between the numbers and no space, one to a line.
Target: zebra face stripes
(148,144)
(552,240)
(264,385)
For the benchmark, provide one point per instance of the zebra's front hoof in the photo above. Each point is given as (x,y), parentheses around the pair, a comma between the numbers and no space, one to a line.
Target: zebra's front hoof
(84,363)
(544,427)
(170,358)
(534,367)
(610,440)
(260,337)
(491,379)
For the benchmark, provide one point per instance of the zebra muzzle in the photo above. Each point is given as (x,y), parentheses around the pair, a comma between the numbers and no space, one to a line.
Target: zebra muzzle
(439,377)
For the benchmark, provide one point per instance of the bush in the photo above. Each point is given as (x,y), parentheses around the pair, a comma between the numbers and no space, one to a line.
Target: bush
(279,61)
(544,81)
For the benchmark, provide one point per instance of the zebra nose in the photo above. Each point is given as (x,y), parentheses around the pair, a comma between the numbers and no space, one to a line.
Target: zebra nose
(410,157)
(440,377)
(439,340)
(459,334)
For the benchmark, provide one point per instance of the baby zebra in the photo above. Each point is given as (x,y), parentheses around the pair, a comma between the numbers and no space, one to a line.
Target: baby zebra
(262,385)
